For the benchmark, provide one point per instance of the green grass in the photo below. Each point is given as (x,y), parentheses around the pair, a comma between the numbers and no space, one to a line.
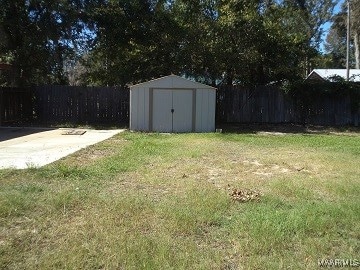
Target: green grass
(153,201)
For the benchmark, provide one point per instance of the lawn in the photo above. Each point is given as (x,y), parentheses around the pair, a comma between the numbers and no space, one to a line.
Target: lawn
(158,201)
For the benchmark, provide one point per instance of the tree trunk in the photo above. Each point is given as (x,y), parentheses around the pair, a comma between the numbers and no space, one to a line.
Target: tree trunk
(357,50)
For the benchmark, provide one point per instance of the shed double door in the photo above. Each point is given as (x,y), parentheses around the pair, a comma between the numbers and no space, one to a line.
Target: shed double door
(172,110)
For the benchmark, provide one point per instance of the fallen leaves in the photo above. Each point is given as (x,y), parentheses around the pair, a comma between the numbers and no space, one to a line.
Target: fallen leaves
(245,195)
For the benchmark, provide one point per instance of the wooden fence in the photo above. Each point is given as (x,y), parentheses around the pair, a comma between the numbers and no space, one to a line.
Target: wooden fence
(81,105)
(260,105)
(268,104)
(110,105)
(15,105)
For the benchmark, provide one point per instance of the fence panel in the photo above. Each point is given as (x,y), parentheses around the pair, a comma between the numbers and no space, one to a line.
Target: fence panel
(82,105)
(15,105)
(269,104)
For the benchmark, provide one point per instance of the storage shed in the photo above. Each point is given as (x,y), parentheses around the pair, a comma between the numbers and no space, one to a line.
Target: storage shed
(172,104)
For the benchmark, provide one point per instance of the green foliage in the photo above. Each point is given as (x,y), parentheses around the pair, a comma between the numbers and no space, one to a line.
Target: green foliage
(98,42)
(230,42)
(305,93)
(135,40)
(41,36)
(335,45)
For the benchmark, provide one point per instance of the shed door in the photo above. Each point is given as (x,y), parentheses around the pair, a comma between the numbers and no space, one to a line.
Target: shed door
(172,110)
(183,114)
(162,105)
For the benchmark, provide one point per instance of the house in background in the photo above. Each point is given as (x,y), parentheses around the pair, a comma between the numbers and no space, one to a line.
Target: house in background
(331,74)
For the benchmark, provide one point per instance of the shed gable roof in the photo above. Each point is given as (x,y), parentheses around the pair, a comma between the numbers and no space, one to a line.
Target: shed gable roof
(325,74)
(172,81)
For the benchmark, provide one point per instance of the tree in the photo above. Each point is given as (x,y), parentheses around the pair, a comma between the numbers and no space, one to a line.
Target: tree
(198,50)
(309,17)
(40,36)
(117,42)
(335,45)
(355,29)
(255,42)
(315,13)
(135,41)
(240,42)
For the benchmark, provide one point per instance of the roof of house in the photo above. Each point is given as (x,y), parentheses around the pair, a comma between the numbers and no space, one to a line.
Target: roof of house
(173,81)
(326,74)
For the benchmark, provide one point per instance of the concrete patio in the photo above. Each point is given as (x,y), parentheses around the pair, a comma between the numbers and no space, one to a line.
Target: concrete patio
(22,148)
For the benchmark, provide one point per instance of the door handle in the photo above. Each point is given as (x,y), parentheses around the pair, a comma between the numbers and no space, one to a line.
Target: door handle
(172,110)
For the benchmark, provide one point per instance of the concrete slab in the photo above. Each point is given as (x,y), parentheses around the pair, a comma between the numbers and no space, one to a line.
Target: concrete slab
(38,147)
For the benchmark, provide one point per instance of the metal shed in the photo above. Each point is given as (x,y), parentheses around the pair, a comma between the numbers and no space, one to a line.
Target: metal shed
(172,104)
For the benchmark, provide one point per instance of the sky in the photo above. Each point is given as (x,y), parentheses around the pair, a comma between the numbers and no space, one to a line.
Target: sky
(337,8)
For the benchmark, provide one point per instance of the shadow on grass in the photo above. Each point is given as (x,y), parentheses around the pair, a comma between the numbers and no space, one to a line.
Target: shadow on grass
(284,128)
